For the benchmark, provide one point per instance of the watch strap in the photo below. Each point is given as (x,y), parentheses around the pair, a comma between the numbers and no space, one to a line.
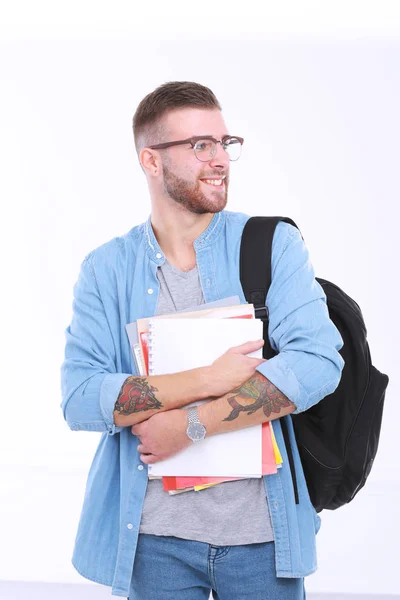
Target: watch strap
(193,415)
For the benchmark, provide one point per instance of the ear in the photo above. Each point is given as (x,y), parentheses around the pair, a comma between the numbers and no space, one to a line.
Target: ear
(150,161)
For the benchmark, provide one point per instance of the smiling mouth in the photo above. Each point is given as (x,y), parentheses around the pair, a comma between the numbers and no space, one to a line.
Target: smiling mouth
(217,182)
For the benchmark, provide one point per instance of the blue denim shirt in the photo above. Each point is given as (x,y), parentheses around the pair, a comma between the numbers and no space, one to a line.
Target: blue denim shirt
(117,284)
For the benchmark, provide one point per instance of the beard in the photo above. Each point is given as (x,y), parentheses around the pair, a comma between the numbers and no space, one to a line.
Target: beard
(190,196)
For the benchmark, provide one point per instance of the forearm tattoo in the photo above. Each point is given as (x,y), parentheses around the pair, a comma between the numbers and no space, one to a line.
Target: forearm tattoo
(136,395)
(264,395)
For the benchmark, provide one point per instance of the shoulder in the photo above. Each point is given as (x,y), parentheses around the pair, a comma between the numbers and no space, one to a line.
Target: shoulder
(114,251)
(283,229)
(283,235)
(235,219)
(289,251)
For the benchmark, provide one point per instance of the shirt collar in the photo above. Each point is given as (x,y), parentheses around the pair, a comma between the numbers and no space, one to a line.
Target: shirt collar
(205,239)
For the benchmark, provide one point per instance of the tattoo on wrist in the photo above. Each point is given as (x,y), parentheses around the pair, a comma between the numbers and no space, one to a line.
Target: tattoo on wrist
(136,395)
(258,392)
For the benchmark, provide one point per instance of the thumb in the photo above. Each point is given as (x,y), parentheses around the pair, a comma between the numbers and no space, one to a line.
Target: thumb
(247,347)
(136,429)
(258,361)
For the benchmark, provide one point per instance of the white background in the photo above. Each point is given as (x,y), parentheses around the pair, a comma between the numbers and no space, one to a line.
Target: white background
(316,96)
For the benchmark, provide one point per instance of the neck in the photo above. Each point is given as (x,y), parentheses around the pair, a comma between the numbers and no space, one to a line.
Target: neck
(176,229)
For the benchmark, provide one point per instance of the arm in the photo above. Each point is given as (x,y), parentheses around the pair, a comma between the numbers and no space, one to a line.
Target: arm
(143,397)
(255,402)
(91,383)
(308,365)
(90,380)
(97,396)
(252,403)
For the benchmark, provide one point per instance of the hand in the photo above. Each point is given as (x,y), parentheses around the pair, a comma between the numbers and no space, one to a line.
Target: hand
(233,368)
(162,435)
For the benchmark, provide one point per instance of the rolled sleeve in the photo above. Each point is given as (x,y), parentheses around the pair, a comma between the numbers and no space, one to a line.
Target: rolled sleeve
(108,394)
(308,365)
(90,382)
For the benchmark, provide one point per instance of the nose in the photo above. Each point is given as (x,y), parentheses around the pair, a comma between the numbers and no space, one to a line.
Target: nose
(221,157)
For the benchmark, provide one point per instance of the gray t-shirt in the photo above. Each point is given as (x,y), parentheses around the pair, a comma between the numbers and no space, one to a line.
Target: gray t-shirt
(227,514)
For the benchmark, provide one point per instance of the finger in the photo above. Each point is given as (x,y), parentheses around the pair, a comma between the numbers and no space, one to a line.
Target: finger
(247,347)
(148,459)
(142,448)
(257,361)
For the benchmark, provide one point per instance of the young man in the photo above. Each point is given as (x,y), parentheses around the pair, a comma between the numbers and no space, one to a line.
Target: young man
(240,539)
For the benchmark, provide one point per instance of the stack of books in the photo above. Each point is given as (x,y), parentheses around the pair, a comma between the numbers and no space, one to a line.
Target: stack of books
(191,339)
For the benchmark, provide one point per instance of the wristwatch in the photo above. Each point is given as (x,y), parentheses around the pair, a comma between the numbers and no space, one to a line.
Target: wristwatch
(195,430)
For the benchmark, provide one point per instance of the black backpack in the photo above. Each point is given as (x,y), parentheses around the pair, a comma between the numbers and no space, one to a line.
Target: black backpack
(338,437)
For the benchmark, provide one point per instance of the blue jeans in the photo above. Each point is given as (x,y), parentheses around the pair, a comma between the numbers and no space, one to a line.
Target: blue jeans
(170,568)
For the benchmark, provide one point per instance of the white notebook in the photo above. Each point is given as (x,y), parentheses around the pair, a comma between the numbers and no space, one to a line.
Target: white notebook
(181,344)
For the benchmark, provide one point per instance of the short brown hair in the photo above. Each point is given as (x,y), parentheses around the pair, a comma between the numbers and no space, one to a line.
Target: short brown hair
(168,96)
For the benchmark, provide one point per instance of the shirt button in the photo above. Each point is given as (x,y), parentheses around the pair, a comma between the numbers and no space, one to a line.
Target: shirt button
(149,291)
(208,282)
(158,255)
(140,467)
(129,526)
(276,504)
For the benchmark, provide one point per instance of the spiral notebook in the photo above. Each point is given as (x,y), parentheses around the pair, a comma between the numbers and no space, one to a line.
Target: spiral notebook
(181,344)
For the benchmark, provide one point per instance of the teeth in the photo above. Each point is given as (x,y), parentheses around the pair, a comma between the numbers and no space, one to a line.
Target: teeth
(214,181)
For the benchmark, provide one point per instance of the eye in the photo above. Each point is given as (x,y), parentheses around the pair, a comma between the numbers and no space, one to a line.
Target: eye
(204,145)
(233,147)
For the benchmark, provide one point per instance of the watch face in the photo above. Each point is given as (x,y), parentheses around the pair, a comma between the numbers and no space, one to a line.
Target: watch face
(196,432)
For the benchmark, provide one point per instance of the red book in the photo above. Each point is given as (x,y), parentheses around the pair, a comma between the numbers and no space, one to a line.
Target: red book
(268,467)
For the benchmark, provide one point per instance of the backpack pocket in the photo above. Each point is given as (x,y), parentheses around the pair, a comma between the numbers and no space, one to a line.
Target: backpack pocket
(363,440)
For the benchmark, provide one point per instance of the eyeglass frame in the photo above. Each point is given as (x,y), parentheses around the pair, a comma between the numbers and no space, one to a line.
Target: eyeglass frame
(197,138)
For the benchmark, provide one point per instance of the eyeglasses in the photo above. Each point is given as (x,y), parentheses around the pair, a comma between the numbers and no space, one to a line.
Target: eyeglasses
(205,146)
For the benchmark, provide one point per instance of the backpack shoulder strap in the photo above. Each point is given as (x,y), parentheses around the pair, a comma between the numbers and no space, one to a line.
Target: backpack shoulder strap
(255,260)
(255,277)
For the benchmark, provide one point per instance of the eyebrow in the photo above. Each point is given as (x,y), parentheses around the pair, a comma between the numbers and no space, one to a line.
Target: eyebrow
(206,135)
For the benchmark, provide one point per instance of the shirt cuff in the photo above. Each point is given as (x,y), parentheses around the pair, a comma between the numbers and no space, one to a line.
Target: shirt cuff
(277,371)
(109,391)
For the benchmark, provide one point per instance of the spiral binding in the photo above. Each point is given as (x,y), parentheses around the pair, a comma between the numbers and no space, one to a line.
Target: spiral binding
(150,347)
(138,356)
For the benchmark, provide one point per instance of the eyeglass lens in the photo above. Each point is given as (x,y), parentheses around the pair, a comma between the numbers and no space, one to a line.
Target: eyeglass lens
(205,149)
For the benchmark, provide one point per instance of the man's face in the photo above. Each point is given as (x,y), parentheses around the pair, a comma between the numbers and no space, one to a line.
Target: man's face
(200,187)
